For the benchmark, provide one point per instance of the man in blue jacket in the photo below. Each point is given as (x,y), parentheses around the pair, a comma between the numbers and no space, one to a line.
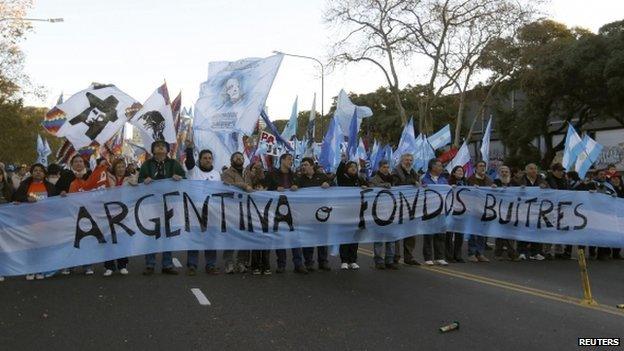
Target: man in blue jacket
(434,176)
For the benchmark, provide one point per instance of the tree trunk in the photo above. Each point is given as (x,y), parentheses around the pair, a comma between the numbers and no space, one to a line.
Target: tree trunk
(460,117)
(397,101)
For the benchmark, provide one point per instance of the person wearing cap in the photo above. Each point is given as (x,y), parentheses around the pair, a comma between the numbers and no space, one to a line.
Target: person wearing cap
(32,189)
(234,176)
(160,166)
(201,170)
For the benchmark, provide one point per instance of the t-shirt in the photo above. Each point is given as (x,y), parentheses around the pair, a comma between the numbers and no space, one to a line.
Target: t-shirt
(38,190)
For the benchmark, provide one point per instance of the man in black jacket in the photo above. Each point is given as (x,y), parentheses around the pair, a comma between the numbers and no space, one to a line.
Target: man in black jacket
(310,178)
(404,174)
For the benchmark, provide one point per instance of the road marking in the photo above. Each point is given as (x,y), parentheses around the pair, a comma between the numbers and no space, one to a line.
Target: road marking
(514,287)
(201,298)
(176,263)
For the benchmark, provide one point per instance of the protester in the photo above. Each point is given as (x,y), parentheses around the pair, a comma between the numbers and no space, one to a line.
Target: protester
(6,188)
(531,179)
(505,180)
(117,177)
(476,243)
(255,176)
(556,180)
(234,176)
(602,185)
(310,178)
(54,173)
(282,179)
(347,175)
(435,241)
(78,169)
(404,174)
(202,171)
(616,182)
(383,178)
(20,175)
(454,240)
(160,166)
(32,189)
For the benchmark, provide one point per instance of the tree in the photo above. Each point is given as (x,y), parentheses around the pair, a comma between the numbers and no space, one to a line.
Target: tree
(13,80)
(368,31)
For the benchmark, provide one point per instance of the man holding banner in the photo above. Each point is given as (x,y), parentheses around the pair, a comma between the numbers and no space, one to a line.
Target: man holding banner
(160,166)
(404,174)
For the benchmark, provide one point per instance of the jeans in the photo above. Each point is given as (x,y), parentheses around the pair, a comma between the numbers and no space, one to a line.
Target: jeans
(348,253)
(389,257)
(121,263)
(308,255)
(297,257)
(261,259)
(167,260)
(435,241)
(192,258)
(476,245)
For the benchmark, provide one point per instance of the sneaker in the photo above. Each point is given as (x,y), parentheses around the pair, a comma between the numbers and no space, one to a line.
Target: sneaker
(473,259)
(280,270)
(89,271)
(30,277)
(212,270)
(441,262)
(344,266)
(229,268)
(108,273)
(148,271)
(240,268)
(380,266)
(256,272)
(392,266)
(169,271)
(39,276)
(522,257)
(302,270)
(482,258)
(191,271)
(354,266)
(537,257)
(267,272)
(429,263)
(411,262)
(324,267)
(124,271)
(66,271)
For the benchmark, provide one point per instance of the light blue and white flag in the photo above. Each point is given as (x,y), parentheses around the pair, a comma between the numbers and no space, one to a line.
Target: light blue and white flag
(345,110)
(361,157)
(389,156)
(43,151)
(310,129)
(441,138)
(461,158)
(425,153)
(485,143)
(234,94)
(290,131)
(573,148)
(353,137)
(407,144)
(375,151)
(329,157)
(587,157)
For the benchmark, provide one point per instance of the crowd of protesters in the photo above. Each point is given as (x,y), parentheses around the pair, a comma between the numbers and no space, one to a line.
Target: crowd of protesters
(25,184)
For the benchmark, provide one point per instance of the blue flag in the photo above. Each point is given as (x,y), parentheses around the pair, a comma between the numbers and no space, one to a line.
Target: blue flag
(407,144)
(588,156)
(573,148)
(353,140)
(485,143)
(329,158)
(290,130)
(273,129)
(441,138)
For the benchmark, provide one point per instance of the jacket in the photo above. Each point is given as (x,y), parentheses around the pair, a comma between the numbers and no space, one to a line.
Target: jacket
(401,177)
(21,194)
(168,167)
(485,181)
(380,180)
(232,176)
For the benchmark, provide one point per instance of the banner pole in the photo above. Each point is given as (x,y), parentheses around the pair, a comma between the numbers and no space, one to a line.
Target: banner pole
(587,295)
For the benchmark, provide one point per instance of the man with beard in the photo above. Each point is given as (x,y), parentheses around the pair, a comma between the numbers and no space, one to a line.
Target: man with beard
(234,176)
(403,174)
(160,166)
(477,243)
(282,179)
(531,179)
(504,180)
(383,178)
(203,170)
(310,178)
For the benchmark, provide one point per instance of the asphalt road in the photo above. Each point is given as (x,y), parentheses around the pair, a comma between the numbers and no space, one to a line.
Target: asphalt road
(500,306)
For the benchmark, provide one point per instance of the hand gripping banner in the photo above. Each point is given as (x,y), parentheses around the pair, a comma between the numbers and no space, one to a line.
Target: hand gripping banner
(101,225)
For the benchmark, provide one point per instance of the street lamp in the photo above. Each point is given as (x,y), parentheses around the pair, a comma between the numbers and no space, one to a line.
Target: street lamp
(322,80)
(51,20)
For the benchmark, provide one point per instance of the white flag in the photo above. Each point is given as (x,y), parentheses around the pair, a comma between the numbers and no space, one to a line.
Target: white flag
(461,158)
(234,94)
(345,110)
(155,119)
(94,114)
(485,143)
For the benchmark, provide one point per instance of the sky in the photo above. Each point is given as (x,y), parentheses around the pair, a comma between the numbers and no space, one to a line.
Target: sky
(137,44)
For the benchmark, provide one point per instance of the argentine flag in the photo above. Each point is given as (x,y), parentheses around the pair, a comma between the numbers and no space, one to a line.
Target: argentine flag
(588,156)
(573,148)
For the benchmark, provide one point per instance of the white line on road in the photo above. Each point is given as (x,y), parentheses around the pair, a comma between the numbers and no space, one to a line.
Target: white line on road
(201,298)
(177,263)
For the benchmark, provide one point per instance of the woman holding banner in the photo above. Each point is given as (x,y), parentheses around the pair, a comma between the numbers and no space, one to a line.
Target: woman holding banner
(455,241)
(347,175)
(32,189)
(118,178)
